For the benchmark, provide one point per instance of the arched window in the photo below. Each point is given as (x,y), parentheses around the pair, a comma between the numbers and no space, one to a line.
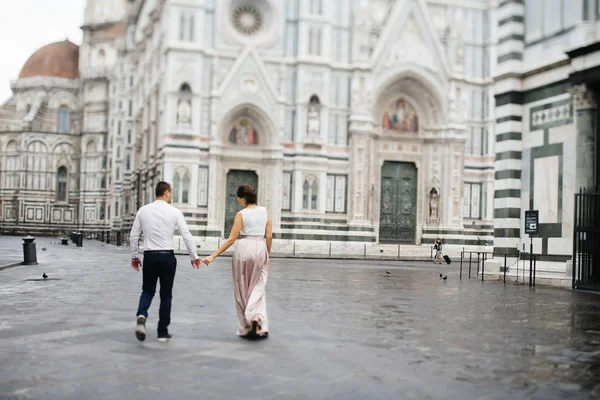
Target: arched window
(314,189)
(62,184)
(185,88)
(305,190)
(185,189)
(63,119)
(310,192)
(176,187)
(91,147)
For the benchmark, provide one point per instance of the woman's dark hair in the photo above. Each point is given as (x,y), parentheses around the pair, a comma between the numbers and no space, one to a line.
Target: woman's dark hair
(248,193)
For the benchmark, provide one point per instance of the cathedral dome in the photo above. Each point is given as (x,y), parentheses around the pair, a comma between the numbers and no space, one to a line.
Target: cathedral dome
(59,59)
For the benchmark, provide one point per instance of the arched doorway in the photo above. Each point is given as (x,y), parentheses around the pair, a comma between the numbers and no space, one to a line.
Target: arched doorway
(398,208)
(235,178)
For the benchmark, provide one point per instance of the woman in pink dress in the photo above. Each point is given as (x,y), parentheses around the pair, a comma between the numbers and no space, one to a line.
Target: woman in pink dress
(250,264)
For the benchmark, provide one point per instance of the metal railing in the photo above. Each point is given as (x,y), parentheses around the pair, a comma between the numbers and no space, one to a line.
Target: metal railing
(483,256)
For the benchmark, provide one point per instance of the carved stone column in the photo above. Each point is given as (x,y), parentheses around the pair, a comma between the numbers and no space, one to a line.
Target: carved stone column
(585,103)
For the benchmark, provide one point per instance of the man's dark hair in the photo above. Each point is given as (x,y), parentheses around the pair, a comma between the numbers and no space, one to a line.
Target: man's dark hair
(247,192)
(161,188)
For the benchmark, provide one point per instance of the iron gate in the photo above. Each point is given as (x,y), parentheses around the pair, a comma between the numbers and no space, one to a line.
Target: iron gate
(586,240)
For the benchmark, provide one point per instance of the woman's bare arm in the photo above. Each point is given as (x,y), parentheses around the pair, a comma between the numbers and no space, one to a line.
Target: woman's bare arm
(235,232)
(269,232)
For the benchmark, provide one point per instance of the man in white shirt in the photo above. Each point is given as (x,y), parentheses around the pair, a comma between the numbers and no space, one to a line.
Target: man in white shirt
(158,221)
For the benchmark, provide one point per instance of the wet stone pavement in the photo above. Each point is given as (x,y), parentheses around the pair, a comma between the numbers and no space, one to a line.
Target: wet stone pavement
(339,330)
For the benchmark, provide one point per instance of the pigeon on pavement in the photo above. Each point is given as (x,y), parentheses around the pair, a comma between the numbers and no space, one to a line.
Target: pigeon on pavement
(44,276)
(43,249)
(444,278)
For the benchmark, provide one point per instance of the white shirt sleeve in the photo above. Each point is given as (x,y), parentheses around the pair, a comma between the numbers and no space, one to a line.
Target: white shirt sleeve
(186,235)
(134,236)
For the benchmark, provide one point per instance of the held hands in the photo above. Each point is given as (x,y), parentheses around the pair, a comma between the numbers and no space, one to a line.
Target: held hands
(208,260)
(136,263)
(196,263)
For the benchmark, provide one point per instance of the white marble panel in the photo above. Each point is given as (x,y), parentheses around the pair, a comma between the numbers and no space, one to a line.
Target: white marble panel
(507,203)
(509,109)
(507,223)
(563,246)
(508,184)
(548,76)
(545,188)
(508,126)
(561,134)
(507,84)
(506,242)
(508,145)
(503,165)
(533,139)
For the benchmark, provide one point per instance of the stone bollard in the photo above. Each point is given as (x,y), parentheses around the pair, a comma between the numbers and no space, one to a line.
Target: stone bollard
(29,252)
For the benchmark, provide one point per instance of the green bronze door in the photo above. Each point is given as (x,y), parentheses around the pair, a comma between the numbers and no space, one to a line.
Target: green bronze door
(398,205)
(235,178)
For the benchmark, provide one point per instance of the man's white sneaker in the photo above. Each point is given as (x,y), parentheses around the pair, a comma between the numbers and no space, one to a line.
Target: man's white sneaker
(164,338)
(140,329)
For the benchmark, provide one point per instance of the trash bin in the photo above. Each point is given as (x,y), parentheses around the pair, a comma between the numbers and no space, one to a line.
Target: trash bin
(119,239)
(64,241)
(29,252)
(79,239)
(107,237)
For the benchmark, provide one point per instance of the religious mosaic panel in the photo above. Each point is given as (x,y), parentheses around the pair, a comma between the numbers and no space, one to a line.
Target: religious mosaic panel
(243,132)
(400,116)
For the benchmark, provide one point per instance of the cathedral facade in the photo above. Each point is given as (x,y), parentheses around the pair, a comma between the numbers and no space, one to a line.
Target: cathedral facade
(359,121)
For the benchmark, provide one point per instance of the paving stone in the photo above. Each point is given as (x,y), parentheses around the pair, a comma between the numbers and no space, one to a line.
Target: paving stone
(339,330)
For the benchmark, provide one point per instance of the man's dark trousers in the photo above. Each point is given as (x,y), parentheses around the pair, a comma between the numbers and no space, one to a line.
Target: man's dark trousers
(158,265)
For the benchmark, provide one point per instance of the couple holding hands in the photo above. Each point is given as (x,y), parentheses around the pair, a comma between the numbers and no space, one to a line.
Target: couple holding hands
(250,264)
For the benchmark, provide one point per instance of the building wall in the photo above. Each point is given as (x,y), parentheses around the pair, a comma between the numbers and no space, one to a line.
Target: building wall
(161,91)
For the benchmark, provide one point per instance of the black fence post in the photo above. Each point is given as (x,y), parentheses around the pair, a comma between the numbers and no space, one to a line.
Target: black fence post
(483,266)
(505,267)
(534,268)
(462,254)
(575,238)
(470,259)
(478,254)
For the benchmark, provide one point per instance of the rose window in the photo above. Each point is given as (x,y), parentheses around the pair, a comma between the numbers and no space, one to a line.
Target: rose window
(247,19)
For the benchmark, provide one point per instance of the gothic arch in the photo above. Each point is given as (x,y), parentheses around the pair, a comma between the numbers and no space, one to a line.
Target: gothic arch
(421,90)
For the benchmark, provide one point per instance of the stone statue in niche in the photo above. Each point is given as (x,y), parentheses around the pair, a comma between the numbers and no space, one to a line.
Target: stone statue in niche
(314,123)
(434,199)
(184,112)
